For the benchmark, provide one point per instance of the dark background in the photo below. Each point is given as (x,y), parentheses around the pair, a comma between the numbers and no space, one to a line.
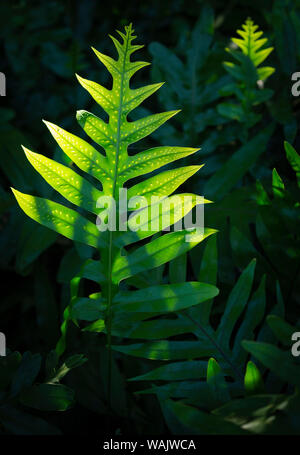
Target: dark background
(43,44)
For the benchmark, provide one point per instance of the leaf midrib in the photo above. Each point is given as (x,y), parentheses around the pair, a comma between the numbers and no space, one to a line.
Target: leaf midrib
(110,284)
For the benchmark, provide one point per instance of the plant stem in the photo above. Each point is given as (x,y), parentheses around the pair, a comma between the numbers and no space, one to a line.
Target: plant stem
(224,355)
(109,319)
(110,243)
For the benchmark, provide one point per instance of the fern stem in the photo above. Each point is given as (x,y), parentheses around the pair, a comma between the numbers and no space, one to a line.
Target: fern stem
(224,355)
(110,247)
(109,320)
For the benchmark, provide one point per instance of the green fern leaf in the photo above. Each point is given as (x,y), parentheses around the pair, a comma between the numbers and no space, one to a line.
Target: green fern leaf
(251,45)
(253,380)
(113,311)
(294,159)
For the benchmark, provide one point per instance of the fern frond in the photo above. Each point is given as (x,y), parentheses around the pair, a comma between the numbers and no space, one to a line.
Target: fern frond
(112,167)
(252,45)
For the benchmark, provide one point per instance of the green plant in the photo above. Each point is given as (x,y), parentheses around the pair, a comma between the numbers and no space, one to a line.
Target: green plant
(229,394)
(246,73)
(195,80)
(275,228)
(275,412)
(232,184)
(118,305)
(194,73)
(278,212)
(26,383)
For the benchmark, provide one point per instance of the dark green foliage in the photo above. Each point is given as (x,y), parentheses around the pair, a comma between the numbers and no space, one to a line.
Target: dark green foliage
(19,386)
(214,364)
